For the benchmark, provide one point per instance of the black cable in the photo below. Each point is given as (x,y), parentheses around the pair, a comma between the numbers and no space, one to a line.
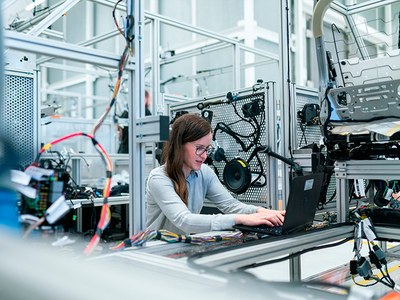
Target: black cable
(289,80)
(273,261)
(227,128)
(378,263)
(328,118)
(364,285)
(303,130)
(222,127)
(333,26)
(253,114)
(245,278)
(93,217)
(72,203)
(115,19)
(256,127)
(331,198)
(233,123)
(256,141)
(261,172)
(233,103)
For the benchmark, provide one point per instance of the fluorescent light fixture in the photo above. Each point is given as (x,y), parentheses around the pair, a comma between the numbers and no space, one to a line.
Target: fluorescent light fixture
(34,4)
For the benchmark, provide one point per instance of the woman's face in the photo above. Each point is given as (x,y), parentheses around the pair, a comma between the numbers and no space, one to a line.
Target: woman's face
(191,160)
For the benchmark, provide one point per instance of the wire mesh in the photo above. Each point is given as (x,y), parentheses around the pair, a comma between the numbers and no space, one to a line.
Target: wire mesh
(225,113)
(18,115)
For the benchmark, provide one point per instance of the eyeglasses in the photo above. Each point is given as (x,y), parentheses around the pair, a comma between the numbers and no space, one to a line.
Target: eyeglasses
(200,149)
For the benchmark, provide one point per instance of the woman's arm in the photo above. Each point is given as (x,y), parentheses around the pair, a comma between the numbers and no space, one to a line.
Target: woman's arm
(246,214)
(162,192)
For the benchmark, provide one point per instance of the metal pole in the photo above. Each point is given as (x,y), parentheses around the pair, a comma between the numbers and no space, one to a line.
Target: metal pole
(285,92)
(136,110)
(295,268)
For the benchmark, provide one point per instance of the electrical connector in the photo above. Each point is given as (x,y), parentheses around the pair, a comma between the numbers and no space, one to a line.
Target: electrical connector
(364,268)
(374,259)
(368,229)
(380,254)
(57,210)
(353,267)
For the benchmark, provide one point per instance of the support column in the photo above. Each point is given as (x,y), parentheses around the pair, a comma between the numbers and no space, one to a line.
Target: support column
(136,110)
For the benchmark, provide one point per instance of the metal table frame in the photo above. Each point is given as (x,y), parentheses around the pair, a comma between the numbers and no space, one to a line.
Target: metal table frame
(238,257)
(365,169)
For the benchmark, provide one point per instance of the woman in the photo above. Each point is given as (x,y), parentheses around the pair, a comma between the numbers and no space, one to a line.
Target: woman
(176,190)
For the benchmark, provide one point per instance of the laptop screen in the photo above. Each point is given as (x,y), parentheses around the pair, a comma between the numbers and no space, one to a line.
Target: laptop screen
(302,204)
(303,199)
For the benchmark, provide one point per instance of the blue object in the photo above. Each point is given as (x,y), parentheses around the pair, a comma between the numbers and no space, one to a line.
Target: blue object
(8,209)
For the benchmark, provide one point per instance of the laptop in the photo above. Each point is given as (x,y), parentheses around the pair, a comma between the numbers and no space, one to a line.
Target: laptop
(302,204)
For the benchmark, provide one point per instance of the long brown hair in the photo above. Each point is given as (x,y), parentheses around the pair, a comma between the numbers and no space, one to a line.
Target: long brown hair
(187,128)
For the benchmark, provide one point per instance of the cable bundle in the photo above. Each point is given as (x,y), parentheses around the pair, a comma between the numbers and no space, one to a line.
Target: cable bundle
(137,239)
(105,215)
(216,238)
(170,237)
(361,266)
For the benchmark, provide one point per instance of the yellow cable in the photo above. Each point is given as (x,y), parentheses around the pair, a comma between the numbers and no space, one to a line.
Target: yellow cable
(391,269)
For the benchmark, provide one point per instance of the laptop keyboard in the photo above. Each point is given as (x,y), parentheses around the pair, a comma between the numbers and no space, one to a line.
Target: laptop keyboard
(277,230)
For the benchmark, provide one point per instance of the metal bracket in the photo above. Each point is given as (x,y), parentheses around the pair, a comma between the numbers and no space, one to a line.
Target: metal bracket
(152,129)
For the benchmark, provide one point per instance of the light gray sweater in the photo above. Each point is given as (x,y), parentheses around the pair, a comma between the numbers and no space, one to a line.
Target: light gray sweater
(165,209)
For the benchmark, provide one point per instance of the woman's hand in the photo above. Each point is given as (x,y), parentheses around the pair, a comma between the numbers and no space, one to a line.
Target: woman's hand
(262,217)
